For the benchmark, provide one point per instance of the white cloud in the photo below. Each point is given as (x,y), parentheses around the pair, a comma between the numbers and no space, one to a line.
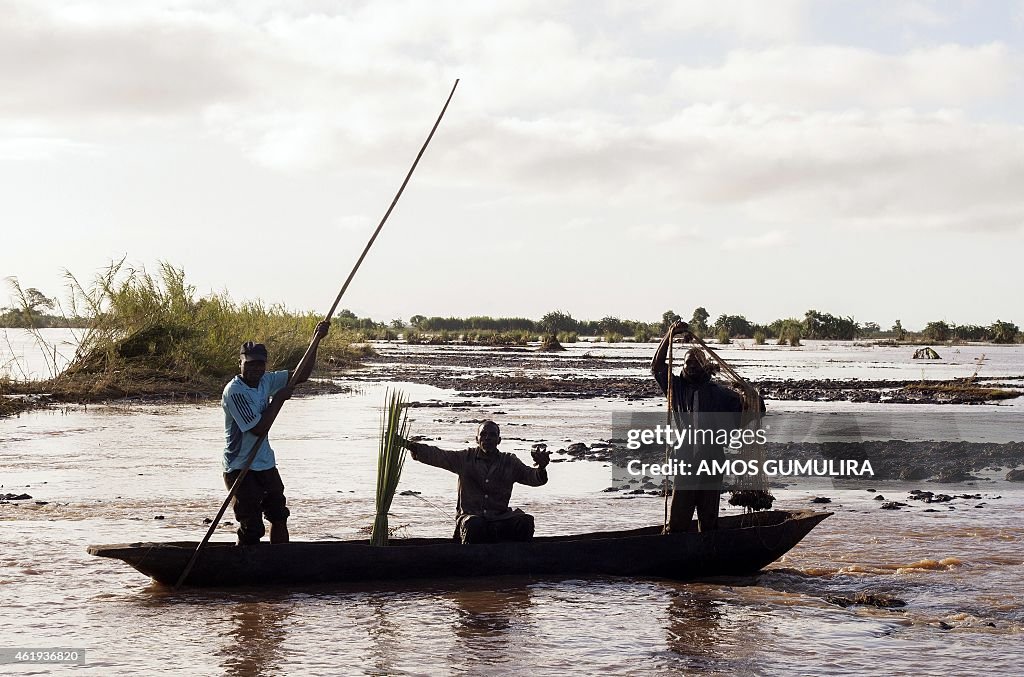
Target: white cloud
(769,164)
(355,223)
(665,233)
(82,64)
(920,13)
(744,19)
(40,148)
(772,238)
(838,77)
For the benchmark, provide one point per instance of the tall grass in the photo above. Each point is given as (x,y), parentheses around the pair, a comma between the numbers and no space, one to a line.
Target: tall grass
(790,332)
(148,331)
(612,337)
(390,459)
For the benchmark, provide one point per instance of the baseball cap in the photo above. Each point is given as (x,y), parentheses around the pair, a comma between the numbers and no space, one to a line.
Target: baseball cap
(253,352)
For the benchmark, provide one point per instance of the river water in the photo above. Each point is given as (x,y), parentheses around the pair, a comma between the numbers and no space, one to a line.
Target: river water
(103,474)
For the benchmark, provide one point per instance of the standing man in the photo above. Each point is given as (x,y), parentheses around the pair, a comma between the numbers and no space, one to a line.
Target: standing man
(251,401)
(701,404)
(486,476)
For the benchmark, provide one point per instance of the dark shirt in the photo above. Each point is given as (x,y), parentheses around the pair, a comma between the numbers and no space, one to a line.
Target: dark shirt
(712,396)
(706,405)
(485,480)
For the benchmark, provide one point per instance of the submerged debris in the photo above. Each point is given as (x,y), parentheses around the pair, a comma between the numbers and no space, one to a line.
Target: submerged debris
(866,599)
(550,344)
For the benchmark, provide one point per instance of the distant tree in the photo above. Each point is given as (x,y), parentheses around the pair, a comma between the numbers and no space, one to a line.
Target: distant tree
(937,332)
(30,304)
(612,325)
(699,321)
(871,329)
(557,321)
(827,326)
(641,332)
(736,325)
(397,324)
(36,300)
(346,319)
(417,321)
(970,332)
(899,333)
(1004,332)
(667,318)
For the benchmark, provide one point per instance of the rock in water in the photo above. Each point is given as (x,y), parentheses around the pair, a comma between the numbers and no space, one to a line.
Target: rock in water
(866,599)
(926,354)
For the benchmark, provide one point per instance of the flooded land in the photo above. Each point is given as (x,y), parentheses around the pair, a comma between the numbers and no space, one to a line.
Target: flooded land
(930,584)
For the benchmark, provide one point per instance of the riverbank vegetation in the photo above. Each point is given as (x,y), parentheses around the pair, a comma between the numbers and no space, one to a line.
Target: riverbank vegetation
(151,334)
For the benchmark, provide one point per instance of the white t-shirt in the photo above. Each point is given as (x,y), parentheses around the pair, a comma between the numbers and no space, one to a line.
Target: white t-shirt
(243,408)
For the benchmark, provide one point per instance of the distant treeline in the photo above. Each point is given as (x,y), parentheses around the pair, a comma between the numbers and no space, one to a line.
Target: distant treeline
(31,310)
(813,325)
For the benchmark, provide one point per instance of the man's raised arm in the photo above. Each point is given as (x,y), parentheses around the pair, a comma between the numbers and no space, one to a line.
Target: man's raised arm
(303,374)
(678,327)
(451,461)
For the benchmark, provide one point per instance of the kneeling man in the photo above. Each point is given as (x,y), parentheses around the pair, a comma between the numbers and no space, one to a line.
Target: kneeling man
(486,476)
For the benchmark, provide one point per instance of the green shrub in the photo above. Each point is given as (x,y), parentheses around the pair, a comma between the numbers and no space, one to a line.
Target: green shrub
(148,327)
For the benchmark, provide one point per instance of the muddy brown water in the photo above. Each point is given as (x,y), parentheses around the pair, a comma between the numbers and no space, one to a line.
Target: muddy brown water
(104,473)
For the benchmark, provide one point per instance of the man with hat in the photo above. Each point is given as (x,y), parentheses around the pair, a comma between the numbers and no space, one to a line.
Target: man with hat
(698,402)
(251,401)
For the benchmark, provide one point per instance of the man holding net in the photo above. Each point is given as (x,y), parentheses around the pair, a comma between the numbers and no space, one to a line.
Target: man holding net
(701,404)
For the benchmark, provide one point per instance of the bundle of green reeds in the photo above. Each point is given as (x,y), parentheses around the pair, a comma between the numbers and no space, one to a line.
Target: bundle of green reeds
(391,457)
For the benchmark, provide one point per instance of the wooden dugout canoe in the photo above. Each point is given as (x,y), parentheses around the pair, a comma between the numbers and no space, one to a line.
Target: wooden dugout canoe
(743,544)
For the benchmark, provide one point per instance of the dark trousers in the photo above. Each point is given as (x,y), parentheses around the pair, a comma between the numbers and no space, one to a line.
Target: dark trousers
(476,529)
(261,493)
(685,501)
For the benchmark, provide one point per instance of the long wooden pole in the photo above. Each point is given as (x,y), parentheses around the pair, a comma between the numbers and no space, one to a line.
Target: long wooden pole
(671,420)
(308,356)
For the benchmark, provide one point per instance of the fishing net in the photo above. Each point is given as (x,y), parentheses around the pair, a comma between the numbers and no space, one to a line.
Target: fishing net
(750,490)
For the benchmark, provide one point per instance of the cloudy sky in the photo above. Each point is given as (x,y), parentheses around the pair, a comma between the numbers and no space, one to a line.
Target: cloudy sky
(606,158)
